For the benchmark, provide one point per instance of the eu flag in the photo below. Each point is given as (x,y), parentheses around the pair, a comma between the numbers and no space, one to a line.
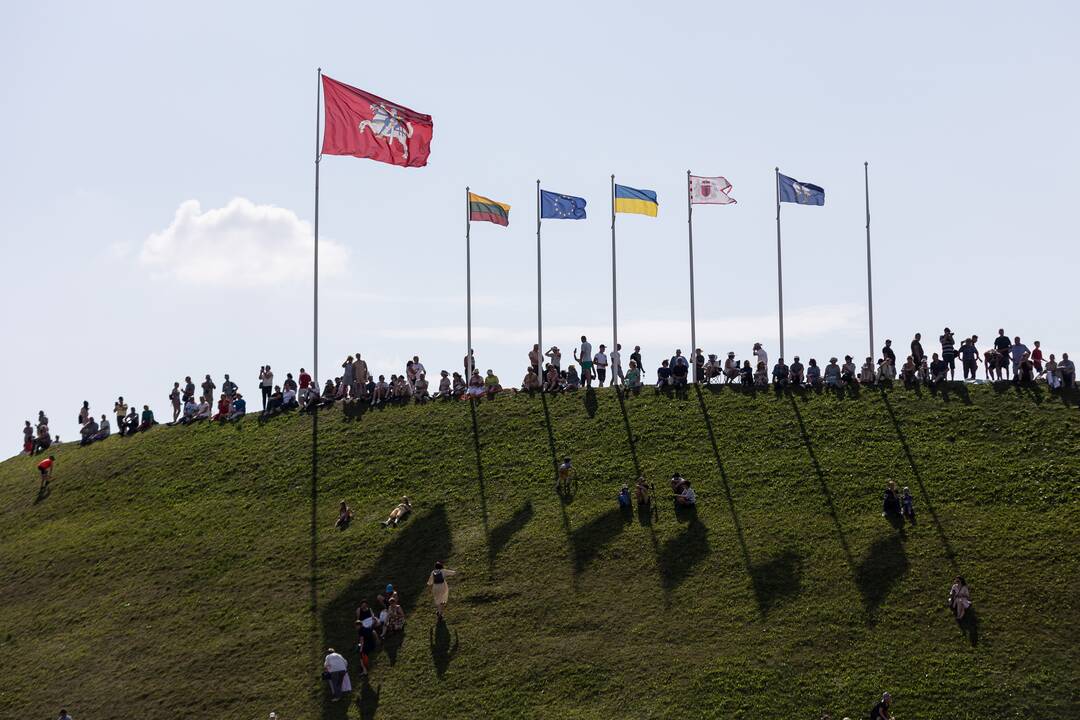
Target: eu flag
(561,207)
(793,191)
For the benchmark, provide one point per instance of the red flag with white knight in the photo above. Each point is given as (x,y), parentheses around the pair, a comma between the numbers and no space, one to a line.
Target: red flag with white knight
(366,126)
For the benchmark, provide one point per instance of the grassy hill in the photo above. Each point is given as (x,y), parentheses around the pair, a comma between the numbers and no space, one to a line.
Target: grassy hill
(195,572)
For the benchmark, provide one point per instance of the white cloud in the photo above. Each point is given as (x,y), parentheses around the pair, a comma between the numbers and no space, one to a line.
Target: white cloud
(239,245)
(802,324)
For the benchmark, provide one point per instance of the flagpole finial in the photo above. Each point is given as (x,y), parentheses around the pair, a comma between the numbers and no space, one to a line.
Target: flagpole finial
(777,168)
(320,69)
(865,163)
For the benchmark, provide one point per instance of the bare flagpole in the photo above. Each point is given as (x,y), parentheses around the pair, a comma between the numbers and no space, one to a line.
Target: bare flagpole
(614,294)
(779,265)
(869,278)
(315,342)
(468,291)
(690,234)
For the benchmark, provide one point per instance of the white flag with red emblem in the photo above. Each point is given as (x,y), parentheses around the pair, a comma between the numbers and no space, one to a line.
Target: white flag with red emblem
(710,191)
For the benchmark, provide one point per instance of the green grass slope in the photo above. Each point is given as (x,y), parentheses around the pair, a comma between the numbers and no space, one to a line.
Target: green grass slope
(179,573)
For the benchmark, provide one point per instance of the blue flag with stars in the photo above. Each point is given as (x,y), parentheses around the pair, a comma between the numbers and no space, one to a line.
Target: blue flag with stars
(561,207)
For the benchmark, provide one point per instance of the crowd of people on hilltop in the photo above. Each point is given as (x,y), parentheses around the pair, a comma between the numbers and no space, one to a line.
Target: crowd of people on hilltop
(1006,359)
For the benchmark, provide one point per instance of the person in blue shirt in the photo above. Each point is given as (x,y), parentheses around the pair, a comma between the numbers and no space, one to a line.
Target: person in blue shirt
(663,375)
(907,506)
(780,374)
(239,408)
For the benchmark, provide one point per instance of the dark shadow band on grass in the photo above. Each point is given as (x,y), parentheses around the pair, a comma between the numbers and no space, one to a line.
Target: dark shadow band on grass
(406,562)
(502,534)
(631,439)
(480,480)
(884,565)
(950,554)
(589,539)
(683,552)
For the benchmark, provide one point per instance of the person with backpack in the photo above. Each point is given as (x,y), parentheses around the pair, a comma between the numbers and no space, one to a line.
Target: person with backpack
(440,590)
(881,710)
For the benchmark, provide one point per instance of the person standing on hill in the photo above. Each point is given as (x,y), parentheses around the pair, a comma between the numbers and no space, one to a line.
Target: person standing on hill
(636,357)
(534,358)
(888,352)
(1067,372)
(917,353)
(84,412)
(229,388)
(1016,354)
(616,365)
(120,409)
(760,356)
(948,351)
(440,589)
(189,390)
(208,388)
(28,438)
(174,398)
(336,672)
(556,357)
(600,362)
(266,383)
(45,468)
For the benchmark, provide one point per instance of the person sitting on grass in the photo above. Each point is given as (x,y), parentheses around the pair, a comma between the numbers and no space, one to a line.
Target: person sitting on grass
(420,389)
(131,422)
(491,385)
(88,431)
(203,412)
(344,516)
(939,371)
(890,506)
(686,497)
(274,402)
(959,597)
(573,380)
(1053,380)
(146,420)
(798,373)
(552,381)
(238,408)
(104,430)
(531,383)
(288,399)
(644,492)
(731,368)
(476,386)
(188,415)
(761,375)
(399,513)
(848,374)
(713,368)
(395,616)
(458,387)
(907,372)
(781,373)
(1026,373)
(832,374)
(867,375)
(813,374)
(907,506)
(663,376)
(223,409)
(886,371)
(445,386)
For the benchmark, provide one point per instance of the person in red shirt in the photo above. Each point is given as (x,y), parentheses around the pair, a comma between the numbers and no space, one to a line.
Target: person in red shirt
(1037,357)
(45,467)
(305,384)
(224,407)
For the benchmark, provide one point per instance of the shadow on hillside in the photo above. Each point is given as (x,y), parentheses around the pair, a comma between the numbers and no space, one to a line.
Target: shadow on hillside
(823,486)
(631,438)
(405,561)
(969,626)
(884,565)
(946,391)
(590,401)
(777,580)
(1030,390)
(588,540)
(728,496)
(927,501)
(443,645)
(502,533)
(682,552)
(550,438)
(480,481)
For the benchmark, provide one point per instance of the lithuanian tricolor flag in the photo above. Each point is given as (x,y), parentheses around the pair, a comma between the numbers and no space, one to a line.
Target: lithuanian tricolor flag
(632,200)
(482,209)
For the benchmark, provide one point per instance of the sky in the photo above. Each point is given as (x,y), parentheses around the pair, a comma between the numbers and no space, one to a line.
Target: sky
(157,189)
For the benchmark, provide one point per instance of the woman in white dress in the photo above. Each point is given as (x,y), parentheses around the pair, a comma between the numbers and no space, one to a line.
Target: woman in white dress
(959,597)
(440,589)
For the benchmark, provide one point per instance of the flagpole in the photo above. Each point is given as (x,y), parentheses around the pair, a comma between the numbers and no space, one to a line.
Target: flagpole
(690,237)
(539,296)
(779,265)
(468,292)
(614,294)
(869,278)
(315,337)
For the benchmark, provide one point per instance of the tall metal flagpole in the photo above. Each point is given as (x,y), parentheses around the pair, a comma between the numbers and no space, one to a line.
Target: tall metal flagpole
(869,278)
(315,341)
(779,265)
(539,285)
(468,291)
(690,231)
(614,294)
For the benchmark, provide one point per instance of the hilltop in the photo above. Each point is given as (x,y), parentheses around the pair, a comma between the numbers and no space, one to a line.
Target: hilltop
(196,571)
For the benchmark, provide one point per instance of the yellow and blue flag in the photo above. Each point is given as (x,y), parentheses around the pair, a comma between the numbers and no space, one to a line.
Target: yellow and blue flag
(632,200)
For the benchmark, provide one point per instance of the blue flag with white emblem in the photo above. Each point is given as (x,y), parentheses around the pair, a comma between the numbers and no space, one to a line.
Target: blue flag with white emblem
(793,191)
(561,207)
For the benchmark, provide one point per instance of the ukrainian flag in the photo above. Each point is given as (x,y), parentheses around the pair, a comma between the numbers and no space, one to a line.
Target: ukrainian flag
(632,200)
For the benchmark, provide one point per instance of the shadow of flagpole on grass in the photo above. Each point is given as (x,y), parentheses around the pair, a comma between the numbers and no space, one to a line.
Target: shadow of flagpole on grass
(480,483)
(950,554)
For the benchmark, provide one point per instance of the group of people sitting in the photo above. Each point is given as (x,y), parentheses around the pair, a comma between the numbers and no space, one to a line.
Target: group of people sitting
(683,494)
(36,438)
(128,422)
(374,624)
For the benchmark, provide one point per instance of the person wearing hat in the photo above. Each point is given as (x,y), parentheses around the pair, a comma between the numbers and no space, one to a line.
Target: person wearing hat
(731,369)
(760,356)
(712,368)
(832,373)
(881,710)
(556,357)
(796,369)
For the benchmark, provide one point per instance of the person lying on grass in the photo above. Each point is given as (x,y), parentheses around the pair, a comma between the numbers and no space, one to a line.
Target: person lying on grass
(399,513)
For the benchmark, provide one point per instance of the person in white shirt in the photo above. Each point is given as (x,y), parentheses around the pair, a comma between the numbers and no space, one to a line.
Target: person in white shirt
(103,429)
(444,386)
(600,364)
(288,399)
(760,355)
(420,389)
(336,670)
(203,413)
(585,351)
(616,365)
(687,497)
(556,357)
